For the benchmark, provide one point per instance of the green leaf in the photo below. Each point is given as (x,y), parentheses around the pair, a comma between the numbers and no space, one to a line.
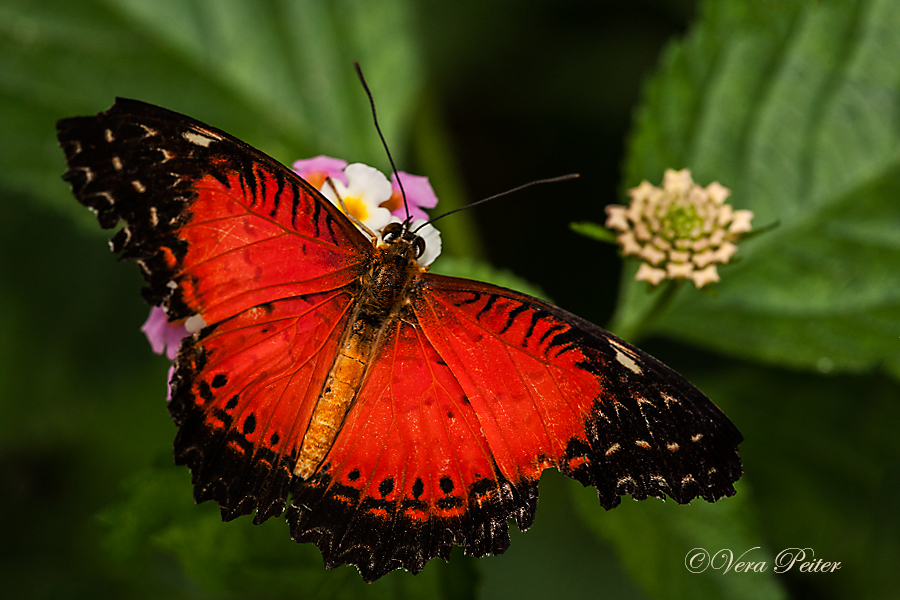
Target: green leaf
(237,557)
(821,458)
(793,105)
(594,231)
(654,540)
(277,74)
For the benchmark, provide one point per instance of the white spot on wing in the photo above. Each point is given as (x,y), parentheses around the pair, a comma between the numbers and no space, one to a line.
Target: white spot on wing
(194,324)
(627,362)
(200,139)
(137,185)
(109,136)
(612,449)
(117,163)
(626,357)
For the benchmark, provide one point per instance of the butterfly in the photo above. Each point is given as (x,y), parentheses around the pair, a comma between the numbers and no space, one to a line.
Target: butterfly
(388,412)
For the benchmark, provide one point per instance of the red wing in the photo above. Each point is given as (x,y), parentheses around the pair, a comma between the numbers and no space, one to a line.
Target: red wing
(551,389)
(227,233)
(410,474)
(217,226)
(243,395)
(475,393)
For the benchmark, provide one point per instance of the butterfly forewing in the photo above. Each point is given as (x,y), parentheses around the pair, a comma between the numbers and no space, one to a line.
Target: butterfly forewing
(217,226)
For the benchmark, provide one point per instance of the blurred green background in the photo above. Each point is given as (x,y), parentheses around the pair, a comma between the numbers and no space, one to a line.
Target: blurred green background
(793,104)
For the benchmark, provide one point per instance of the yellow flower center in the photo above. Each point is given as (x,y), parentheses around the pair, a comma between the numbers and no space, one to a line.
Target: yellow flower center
(356,208)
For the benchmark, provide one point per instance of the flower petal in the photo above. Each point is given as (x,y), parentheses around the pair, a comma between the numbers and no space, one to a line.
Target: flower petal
(647,273)
(616,218)
(741,221)
(432,238)
(316,169)
(679,270)
(628,243)
(419,195)
(164,337)
(677,182)
(707,275)
(652,254)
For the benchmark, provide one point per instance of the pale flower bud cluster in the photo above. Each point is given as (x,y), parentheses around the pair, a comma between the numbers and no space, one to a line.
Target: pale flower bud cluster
(681,231)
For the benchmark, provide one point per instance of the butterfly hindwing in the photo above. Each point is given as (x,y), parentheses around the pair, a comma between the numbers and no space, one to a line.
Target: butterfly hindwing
(411,473)
(243,394)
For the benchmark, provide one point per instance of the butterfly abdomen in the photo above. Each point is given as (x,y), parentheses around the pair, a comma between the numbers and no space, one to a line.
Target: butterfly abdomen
(384,289)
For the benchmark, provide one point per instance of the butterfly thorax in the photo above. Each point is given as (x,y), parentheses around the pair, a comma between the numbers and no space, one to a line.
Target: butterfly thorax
(383,294)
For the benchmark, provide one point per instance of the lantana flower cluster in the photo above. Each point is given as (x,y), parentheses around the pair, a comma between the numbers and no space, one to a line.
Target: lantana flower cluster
(360,191)
(364,193)
(681,231)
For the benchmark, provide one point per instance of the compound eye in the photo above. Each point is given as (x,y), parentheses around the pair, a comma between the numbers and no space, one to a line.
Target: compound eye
(419,246)
(391,232)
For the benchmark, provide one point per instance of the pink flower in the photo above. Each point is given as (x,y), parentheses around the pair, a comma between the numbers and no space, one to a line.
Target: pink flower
(164,337)
(169,383)
(317,169)
(419,195)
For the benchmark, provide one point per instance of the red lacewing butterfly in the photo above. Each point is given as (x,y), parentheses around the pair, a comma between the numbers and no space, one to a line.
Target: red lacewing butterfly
(403,412)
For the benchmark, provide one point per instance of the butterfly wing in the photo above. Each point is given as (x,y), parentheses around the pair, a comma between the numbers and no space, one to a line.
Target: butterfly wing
(551,389)
(230,239)
(476,391)
(411,473)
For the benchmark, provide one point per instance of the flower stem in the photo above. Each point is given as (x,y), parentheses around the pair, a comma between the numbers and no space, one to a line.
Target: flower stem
(633,328)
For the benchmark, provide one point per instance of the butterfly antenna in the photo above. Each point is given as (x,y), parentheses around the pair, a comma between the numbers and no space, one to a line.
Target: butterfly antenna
(495,196)
(387,150)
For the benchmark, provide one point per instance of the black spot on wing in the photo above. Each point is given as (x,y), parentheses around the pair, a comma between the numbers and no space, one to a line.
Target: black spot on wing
(386,486)
(249,424)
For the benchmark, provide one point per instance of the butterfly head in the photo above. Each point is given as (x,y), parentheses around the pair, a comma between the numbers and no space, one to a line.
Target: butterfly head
(403,240)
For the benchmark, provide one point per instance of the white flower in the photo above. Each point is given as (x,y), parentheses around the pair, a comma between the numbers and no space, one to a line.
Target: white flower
(364,193)
(681,230)
(367,188)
